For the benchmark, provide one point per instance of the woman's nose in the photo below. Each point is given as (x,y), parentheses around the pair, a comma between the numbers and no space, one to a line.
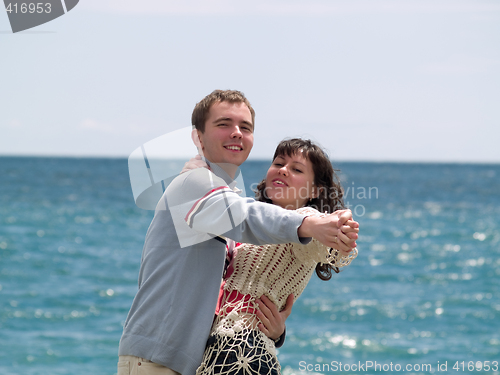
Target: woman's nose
(283,170)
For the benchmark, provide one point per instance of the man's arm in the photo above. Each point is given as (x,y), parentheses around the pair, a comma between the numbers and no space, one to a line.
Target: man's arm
(327,230)
(202,204)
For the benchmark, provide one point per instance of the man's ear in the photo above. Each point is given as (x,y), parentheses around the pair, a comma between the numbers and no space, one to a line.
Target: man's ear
(196,139)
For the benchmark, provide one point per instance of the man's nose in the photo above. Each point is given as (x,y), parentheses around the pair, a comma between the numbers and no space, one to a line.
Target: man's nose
(236,132)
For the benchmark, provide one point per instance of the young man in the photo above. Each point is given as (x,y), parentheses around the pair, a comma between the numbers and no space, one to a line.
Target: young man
(183,257)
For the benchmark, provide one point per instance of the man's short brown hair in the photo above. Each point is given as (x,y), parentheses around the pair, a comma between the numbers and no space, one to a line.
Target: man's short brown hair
(201,110)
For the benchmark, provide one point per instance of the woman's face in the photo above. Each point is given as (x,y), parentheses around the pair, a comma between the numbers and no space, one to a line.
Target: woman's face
(290,180)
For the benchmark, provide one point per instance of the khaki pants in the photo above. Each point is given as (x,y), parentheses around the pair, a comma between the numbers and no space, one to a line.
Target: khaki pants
(130,365)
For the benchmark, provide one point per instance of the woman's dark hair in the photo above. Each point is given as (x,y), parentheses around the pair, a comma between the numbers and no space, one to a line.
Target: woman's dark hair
(331,196)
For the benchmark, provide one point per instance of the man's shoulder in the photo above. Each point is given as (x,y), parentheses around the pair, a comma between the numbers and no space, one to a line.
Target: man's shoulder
(196,177)
(193,185)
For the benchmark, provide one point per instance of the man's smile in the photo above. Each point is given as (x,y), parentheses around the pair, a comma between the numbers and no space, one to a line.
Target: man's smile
(233,148)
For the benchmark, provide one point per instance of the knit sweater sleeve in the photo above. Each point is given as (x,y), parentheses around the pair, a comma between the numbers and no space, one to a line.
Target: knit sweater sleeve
(316,252)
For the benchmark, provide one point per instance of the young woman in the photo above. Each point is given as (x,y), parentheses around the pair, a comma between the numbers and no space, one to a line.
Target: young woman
(300,178)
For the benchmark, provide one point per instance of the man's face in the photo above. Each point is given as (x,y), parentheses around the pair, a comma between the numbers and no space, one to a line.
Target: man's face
(228,136)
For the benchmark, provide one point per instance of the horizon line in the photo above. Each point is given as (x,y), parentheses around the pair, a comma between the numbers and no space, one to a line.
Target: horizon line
(261,159)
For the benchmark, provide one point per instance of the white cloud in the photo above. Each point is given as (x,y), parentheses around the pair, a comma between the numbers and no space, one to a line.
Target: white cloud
(459,64)
(89,124)
(140,129)
(98,127)
(290,7)
(14,124)
(172,145)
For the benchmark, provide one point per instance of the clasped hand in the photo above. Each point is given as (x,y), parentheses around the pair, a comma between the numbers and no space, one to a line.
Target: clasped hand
(336,230)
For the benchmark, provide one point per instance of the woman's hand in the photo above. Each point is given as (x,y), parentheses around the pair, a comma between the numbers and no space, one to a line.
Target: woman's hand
(193,163)
(348,232)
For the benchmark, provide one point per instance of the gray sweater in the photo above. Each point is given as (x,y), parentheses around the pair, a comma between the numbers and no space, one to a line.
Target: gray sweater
(183,260)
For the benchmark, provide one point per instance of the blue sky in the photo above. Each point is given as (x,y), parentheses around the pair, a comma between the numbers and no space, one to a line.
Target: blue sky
(370,80)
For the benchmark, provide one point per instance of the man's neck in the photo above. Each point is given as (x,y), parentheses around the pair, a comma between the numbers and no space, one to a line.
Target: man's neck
(229,169)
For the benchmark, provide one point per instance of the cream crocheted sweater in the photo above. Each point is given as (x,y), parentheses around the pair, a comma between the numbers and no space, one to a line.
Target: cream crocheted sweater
(272,270)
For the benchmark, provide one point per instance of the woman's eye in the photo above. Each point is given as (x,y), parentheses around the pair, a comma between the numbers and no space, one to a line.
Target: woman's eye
(297,170)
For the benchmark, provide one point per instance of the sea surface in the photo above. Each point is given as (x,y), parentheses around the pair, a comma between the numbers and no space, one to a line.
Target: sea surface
(422,297)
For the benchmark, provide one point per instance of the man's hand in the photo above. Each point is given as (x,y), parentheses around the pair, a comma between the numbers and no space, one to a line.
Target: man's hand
(193,163)
(336,230)
(273,321)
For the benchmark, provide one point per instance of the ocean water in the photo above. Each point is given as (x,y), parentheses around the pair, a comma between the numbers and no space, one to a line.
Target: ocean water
(422,297)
